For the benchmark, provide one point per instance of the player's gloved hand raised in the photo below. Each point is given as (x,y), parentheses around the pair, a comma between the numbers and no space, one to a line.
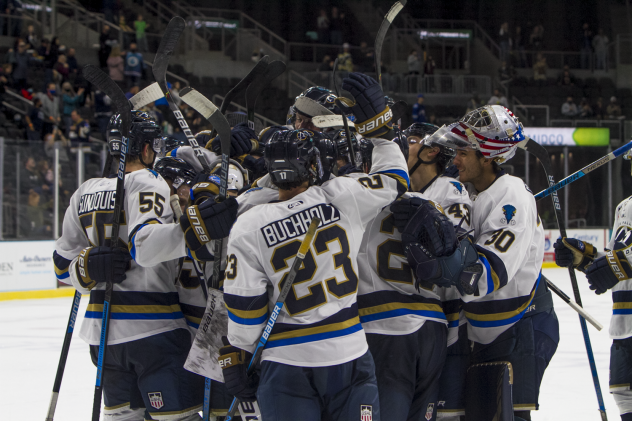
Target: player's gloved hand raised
(243,140)
(102,264)
(573,251)
(606,271)
(208,221)
(372,116)
(234,363)
(404,209)
(204,187)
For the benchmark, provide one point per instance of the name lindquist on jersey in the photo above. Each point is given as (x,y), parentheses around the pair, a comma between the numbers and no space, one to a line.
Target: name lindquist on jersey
(296,225)
(103,200)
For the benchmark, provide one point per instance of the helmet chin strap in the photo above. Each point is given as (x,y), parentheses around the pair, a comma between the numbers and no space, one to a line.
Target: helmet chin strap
(140,158)
(421,161)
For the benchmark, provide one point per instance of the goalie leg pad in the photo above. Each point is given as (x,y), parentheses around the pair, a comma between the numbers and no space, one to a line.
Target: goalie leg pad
(621,374)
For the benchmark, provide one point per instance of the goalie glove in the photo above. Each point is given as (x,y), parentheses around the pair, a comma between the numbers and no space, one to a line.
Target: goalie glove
(573,251)
(208,221)
(373,118)
(102,264)
(404,209)
(234,363)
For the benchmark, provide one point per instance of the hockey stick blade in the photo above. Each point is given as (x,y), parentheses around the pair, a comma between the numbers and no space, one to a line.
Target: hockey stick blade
(574,306)
(352,152)
(259,69)
(588,168)
(148,95)
(328,121)
(283,293)
(381,34)
(274,70)
(168,44)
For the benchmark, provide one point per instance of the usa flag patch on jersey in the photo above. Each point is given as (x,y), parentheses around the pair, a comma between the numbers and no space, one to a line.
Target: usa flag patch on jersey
(429,411)
(155,399)
(366,413)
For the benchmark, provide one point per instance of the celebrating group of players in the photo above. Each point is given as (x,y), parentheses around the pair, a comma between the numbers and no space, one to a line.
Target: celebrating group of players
(413,275)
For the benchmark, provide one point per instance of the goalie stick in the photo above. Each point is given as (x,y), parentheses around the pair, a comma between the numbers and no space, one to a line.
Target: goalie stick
(274,70)
(381,34)
(588,168)
(539,152)
(283,293)
(103,82)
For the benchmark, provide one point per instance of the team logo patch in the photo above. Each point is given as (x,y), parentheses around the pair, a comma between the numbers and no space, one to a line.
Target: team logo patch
(509,212)
(429,411)
(366,412)
(214,179)
(155,398)
(458,186)
(295,204)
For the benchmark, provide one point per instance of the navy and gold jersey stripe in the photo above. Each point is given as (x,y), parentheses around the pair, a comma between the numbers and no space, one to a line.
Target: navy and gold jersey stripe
(403,182)
(452,309)
(193,314)
(61,267)
(134,305)
(621,302)
(495,268)
(499,312)
(247,310)
(131,245)
(343,323)
(387,304)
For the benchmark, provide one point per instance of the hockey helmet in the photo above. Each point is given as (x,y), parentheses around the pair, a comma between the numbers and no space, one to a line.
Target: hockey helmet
(237,175)
(493,130)
(339,137)
(328,155)
(292,158)
(113,132)
(142,132)
(424,134)
(175,169)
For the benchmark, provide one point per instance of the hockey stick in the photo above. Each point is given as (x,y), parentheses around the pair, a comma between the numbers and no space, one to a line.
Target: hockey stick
(272,318)
(148,95)
(583,313)
(274,70)
(588,168)
(381,34)
(103,82)
(168,44)
(539,152)
(352,152)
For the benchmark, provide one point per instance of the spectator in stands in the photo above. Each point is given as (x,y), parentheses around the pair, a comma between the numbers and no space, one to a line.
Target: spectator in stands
(335,26)
(518,46)
(473,103)
(29,176)
(429,66)
(600,44)
(70,101)
(419,110)
(175,93)
(414,63)
(540,68)
(53,53)
(73,65)
(536,39)
(21,66)
(504,39)
(80,129)
(569,108)
(57,137)
(62,67)
(141,36)
(327,65)
(613,110)
(132,91)
(133,65)
(585,45)
(116,67)
(155,113)
(598,109)
(365,59)
(105,46)
(102,111)
(35,121)
(345,61)
(506,73)
(31,37)
(50,107)
(498,99)
(322,24)
(565,70)
(16,8)
(127,31)
(585,111)
(42,50)
(566,80)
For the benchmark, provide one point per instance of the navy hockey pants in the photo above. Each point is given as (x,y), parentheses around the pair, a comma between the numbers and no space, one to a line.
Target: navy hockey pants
(451,401)
(408,368)
(148,373)
(340,392)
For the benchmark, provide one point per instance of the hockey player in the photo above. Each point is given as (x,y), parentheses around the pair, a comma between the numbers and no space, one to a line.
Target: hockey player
(314,101)
(316,362)
(510,317)
(395,311)
(148,337)
(610,270)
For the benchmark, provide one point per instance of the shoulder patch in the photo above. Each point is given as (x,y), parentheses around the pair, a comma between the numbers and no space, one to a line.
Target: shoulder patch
(510,212)
(458,186)
(154,173)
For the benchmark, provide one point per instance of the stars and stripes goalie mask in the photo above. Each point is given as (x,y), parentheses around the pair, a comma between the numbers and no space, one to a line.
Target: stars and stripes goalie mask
(292,158)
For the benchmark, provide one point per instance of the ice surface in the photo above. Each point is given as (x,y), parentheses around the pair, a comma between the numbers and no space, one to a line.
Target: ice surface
(31,335)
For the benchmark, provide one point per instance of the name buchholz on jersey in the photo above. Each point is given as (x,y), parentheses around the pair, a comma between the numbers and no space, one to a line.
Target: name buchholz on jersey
(99,201)
(296,225)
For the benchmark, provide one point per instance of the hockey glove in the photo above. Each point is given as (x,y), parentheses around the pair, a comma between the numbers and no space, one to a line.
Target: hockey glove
(102,264)
(234,363)
(243,140)
(257,166)
(372,116)
(208,221)
(404,209)
(608,270)
(204,187)
(572,251)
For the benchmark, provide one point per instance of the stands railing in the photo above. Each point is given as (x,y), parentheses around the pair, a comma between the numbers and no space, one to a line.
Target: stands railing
(171,74)
(530,113)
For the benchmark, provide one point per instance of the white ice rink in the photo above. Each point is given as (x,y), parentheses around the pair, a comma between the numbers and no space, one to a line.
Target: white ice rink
(31,335)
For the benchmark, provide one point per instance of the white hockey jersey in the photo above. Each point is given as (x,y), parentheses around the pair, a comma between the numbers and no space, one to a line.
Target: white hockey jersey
(388,302)
(621,322)
(146,303)
(510,242)
(319,324)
